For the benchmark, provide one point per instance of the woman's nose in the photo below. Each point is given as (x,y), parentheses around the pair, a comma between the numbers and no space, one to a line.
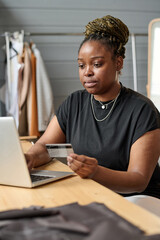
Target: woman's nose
(88,71)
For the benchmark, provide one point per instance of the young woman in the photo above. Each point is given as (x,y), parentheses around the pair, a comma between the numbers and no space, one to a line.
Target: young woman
(114,131)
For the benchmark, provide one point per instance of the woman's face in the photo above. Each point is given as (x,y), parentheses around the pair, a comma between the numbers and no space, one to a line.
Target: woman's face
(97,68)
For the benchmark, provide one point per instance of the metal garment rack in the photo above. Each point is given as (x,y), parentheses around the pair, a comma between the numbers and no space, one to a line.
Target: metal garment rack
(46,34)
(133,42)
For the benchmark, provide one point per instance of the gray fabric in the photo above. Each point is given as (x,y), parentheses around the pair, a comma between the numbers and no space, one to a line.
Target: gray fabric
(68,222)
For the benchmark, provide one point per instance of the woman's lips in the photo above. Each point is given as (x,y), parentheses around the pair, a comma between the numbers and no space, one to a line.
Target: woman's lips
(90,84)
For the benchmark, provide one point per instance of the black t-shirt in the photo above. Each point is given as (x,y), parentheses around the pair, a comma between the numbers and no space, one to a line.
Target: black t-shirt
(108,141)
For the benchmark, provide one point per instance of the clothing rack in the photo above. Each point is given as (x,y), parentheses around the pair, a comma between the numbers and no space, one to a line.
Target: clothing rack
(46,34)
(133,41)
(64,34)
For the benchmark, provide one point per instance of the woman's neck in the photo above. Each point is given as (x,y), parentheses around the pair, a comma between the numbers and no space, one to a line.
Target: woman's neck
(111,94)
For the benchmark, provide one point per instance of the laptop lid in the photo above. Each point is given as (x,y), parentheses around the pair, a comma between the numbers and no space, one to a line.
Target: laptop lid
(13,166)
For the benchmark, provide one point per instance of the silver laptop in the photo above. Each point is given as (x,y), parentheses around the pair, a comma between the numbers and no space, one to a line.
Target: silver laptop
(13,166)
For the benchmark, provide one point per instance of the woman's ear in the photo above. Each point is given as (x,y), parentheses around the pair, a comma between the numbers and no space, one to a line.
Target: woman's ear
(119,63)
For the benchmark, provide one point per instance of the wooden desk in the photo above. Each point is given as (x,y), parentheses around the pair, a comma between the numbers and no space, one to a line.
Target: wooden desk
(75,189)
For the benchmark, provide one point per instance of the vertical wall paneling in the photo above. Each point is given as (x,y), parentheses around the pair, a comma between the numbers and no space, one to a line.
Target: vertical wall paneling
(60,52)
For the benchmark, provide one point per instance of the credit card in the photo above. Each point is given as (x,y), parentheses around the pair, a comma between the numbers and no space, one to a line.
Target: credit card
(59,150)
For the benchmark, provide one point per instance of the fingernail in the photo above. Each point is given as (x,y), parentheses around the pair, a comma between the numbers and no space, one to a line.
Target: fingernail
(68,163)
(69,158)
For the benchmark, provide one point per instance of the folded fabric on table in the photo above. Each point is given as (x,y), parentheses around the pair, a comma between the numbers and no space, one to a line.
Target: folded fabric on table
(69,222)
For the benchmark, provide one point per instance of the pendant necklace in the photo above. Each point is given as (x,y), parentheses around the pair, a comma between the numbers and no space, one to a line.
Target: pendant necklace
(104,106)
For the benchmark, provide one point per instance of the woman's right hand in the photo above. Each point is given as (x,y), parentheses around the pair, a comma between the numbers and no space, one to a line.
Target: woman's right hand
(37,155)
(30,159)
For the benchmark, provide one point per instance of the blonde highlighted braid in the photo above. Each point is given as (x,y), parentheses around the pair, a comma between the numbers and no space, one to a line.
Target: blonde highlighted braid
(110,31)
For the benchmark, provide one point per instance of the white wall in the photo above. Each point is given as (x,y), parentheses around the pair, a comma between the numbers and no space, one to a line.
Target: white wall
(60,52)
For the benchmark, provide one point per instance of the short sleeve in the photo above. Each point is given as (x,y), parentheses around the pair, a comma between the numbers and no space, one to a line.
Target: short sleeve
(147,119)
(62,114)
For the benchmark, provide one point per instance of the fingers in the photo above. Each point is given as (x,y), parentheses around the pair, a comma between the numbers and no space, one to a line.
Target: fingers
(29,165)
(29,162)
(84,166)
(75,164)
(83,158)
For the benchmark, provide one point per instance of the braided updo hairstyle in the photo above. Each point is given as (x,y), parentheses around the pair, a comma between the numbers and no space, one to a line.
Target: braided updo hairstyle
(110,31)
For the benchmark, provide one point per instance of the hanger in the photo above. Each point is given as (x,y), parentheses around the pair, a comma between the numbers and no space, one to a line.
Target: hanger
(16,53)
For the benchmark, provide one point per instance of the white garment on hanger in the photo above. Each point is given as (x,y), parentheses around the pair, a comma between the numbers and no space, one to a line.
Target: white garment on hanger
(2,93)
(44,92)
(11,94)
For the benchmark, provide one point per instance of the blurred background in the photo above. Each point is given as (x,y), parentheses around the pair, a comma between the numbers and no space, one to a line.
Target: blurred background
(48,17)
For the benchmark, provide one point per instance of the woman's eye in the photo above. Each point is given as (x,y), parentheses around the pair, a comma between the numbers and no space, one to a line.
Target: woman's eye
(81,66)
(97,65)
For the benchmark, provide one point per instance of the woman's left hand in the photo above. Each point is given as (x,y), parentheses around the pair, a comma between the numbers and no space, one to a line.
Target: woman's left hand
(84,166)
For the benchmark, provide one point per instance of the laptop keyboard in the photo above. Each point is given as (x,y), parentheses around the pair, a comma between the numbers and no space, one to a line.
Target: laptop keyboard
(35,178)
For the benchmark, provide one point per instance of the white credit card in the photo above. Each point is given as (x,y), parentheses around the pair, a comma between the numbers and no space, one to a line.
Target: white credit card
(59,150)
